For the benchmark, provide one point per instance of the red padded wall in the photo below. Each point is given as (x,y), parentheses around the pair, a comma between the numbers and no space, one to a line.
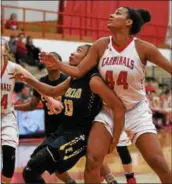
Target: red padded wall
(102,9)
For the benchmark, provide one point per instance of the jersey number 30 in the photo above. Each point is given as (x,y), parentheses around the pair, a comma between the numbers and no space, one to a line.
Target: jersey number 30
(122,79)
(4,102)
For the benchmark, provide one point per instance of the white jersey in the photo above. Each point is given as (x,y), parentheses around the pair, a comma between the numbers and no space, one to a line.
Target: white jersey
(124,72)
(7,87)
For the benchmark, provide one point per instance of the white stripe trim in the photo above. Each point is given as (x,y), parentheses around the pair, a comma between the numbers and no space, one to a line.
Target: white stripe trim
(51,155)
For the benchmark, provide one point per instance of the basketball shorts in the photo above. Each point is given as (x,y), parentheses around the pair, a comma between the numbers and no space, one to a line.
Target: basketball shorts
(137,121)
(9,130)
(64,149)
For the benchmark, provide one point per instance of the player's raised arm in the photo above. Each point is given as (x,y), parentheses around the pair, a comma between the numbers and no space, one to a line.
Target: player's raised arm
(154,55)
(110,98)
(42,88)
(20,69)
(89,62)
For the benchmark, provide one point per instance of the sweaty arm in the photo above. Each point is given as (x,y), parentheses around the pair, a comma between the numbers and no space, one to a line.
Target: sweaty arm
(45,89)
(154,55)
(89,62)
(48,90)
(98,86)
(20,69)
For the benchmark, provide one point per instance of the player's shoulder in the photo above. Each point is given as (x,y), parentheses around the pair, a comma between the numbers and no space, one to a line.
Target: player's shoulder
(44,78)
(10,63)
(144,44)
(144,47)
(63,76)
(12,66)
(102,41)
(101,44)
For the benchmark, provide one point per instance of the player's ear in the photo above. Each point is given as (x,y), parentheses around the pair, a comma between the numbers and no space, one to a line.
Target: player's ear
(129,22)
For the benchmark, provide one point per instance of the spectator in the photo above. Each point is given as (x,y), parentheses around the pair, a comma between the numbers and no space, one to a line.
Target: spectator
(151,85)
(32,50)
(13,44)
(21,51)
(167,106)
(12,22)
(26,53)
(25,95)
(155,105)
(154,101)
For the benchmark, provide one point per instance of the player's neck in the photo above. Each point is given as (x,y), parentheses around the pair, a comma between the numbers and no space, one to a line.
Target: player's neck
(54,75)
(120,38)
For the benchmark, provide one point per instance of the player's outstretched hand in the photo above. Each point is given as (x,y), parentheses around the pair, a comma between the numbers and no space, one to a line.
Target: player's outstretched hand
(54,106)
(49,59)
(18,76)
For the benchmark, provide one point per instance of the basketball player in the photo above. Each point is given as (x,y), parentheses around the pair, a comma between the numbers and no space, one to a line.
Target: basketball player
(52,120)
(81,104)
(121,60)
(9,129)
(121,149)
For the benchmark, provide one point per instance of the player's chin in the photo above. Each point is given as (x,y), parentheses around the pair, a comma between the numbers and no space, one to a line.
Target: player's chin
(109,25)
(71,63)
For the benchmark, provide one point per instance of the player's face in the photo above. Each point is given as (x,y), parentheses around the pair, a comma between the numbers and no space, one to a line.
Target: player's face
(118,18)
(77,56)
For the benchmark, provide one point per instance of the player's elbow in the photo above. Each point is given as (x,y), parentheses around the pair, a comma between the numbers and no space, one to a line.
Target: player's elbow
(79,73)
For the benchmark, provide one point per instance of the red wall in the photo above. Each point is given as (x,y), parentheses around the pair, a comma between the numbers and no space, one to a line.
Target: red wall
(102,9)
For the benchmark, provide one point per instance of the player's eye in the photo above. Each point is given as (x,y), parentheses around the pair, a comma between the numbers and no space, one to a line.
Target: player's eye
(118,13)
(79,50)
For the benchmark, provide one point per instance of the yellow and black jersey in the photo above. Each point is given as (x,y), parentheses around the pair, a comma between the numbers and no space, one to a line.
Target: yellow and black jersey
(81,105)
(52,121)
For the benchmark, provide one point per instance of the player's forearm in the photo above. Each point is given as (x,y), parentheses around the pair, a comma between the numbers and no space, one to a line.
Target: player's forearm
(41,87)
(25,107)
(119,120)
(72,71)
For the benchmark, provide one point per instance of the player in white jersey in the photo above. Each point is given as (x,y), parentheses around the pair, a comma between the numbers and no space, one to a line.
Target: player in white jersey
(9,128)
(121,61)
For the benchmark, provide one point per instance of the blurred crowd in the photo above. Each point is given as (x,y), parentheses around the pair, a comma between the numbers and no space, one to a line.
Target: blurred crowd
(23,51)
(160,101)
(21,47)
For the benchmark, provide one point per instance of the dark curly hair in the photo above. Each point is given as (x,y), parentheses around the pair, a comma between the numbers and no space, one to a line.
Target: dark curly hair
(139,18)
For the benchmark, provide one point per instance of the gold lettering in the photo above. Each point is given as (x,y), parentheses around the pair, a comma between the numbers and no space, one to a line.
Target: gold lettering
(67,94)
(73,93)
(78,93)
